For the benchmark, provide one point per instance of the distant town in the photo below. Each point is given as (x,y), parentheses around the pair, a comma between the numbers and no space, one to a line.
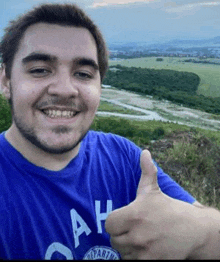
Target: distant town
(197,49)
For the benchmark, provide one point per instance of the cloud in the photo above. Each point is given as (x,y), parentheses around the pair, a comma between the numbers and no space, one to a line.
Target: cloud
(104,3)
(173,8)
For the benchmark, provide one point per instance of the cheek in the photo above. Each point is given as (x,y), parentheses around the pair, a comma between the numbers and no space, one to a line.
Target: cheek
(26,92)
(92,97)
(28,89)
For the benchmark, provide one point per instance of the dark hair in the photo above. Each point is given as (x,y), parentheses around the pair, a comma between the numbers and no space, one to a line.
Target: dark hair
(61,14)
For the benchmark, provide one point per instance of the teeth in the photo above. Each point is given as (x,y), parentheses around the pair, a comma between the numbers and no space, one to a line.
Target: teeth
(59,113)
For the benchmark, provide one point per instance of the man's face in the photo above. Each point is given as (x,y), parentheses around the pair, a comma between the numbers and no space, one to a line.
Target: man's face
(55,86)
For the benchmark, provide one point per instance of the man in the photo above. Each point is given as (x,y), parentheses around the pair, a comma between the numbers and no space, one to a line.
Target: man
(59,181)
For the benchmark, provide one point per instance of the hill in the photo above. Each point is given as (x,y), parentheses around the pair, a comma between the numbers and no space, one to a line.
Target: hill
(175,86)
(192,160)
(190,156)
(208,73)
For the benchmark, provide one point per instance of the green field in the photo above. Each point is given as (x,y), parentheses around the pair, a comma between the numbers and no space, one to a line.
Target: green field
(208,73)
(109,107)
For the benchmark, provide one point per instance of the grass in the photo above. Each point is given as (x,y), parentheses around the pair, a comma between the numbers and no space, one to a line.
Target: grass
(110,107)
(194,162)
(209,74)
(140,132)
(190,155)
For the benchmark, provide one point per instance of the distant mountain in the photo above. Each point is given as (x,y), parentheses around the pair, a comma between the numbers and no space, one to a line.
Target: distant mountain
(197,42)
(175,43)
(189,43)
(217,40)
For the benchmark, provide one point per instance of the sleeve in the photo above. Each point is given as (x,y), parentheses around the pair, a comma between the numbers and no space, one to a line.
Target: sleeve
(169,187)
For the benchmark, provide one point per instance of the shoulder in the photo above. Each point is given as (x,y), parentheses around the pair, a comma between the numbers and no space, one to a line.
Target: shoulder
(115,148)
(115,155)
(110,141)
(4,145)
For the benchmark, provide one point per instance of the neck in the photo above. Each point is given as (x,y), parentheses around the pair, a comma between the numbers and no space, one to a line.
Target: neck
(37,156)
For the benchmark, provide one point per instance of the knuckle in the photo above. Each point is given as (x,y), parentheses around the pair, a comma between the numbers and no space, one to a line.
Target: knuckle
(127,257)
(114,243)
(155,169)
(109,224)
(135,217)
(138,242)
(137,212)
(147,152)
(138,239)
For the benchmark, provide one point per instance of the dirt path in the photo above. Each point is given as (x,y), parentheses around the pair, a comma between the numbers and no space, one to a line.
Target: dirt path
(149,115)
(158,110)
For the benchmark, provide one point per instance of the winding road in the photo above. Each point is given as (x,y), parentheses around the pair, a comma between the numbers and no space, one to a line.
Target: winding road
(157,110)
(149,115)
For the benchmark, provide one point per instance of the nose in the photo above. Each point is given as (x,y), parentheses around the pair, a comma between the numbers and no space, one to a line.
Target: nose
(63,85)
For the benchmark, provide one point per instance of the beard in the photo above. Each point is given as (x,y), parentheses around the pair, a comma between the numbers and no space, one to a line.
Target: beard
(29,133)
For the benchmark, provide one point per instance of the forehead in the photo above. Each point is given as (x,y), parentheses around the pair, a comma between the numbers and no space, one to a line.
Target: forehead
(64,42)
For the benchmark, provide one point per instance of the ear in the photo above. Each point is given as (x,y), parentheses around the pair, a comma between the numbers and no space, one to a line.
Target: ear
(5,83)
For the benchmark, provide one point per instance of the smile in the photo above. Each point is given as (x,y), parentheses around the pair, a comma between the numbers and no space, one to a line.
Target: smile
(59,113)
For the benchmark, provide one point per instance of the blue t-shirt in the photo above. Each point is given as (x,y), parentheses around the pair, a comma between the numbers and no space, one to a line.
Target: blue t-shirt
(61,214)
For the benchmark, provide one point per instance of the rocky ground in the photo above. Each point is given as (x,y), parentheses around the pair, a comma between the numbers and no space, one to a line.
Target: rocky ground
(160,110)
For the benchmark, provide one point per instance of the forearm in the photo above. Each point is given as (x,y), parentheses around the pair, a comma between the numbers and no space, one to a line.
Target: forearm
(209,220)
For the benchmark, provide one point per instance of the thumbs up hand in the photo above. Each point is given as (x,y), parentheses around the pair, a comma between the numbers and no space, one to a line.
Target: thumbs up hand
(153,226)
(148,181)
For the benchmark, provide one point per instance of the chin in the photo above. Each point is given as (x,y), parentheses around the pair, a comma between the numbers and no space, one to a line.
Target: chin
(60,147)
(58,150)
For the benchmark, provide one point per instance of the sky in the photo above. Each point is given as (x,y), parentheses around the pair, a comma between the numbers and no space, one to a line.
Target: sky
(145,21)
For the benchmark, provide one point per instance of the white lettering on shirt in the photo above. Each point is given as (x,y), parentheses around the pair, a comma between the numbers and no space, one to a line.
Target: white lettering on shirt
(79,227)
(102,216)
(77,231)
(56,246)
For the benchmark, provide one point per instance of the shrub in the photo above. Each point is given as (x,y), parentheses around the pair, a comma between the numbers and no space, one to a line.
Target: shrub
(158,133)
(5,114)
(159,59)
(141,135)
(194,162)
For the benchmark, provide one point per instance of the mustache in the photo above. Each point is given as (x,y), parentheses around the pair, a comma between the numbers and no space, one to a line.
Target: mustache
(56,101)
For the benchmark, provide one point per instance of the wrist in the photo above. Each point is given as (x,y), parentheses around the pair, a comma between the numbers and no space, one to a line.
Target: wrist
(208,245)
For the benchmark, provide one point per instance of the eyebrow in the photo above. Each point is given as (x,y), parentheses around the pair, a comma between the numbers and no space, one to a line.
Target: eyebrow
(38,57)
(81,61)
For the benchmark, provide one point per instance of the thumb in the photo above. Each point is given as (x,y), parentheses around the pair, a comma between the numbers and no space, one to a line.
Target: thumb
(148,181)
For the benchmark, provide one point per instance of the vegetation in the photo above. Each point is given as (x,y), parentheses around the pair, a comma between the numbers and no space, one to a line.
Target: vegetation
(109,107)
(208,73)
(146,80)
(193,160)
(138,131)
(190,156)
(201,61)
(175,86)
(5,114)
(159,59)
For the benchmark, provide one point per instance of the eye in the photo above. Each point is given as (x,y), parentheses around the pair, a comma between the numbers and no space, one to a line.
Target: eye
(83,75)
(39,72)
